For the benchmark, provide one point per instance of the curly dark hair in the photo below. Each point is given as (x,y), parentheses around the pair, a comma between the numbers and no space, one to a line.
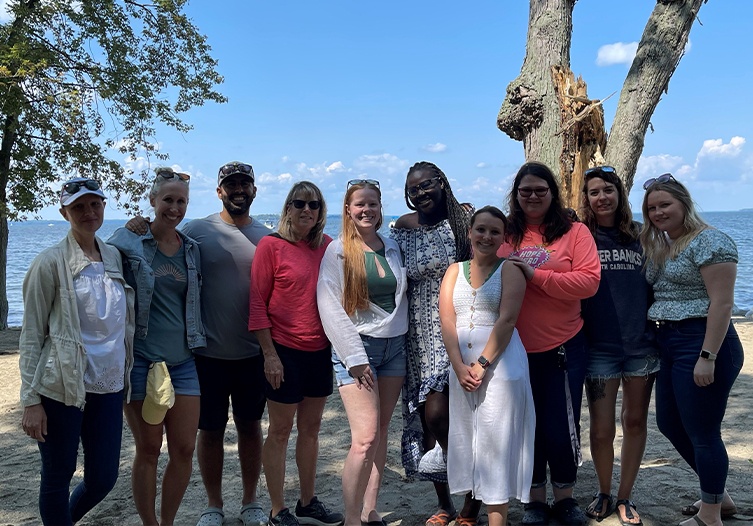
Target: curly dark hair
(457,214)
(557,221)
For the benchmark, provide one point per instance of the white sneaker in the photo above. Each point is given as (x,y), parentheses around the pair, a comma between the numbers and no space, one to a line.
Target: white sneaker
(433,461)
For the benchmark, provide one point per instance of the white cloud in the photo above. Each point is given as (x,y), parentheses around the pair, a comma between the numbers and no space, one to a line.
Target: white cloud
(337,166)
(617,53)
(717,148)
(482,165)
(435,148)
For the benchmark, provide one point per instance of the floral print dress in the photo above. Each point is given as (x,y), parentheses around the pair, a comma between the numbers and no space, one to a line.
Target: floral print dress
(428,252)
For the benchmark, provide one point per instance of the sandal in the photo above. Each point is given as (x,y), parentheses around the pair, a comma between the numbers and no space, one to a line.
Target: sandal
(629,507)
(698,520)
(727,513)
(597,509)
(440,518)
(465,521)
(211,517)
(536,514)
(253,515)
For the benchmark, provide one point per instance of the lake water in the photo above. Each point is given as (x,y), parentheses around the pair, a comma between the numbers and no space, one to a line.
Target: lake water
(27,239)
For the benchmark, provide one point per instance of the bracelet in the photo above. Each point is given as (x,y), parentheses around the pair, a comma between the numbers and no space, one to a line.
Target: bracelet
(710,356)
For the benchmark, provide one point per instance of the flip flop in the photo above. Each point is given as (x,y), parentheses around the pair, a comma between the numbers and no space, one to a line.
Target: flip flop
(629,507)
(698,521)
(596,510)
(727,513)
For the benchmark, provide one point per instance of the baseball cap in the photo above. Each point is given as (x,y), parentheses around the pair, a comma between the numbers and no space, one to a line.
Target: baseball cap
(234,167)
(160,395)
(78,187)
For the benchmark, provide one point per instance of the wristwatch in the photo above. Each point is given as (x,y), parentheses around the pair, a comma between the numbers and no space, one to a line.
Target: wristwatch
(483,362)
(708,355)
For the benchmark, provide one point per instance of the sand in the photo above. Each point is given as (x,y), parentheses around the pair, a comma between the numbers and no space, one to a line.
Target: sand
(664,482)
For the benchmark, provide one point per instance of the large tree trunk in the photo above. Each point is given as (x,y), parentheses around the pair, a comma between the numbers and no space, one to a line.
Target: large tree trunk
(549,110)
(659,52)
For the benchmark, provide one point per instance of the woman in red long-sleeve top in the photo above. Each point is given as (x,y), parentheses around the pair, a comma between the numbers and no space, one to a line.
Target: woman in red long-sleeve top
(297,355)
(560,262)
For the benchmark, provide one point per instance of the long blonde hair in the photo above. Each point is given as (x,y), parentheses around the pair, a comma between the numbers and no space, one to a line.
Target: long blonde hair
(307,191)
(655,242)
(355,286)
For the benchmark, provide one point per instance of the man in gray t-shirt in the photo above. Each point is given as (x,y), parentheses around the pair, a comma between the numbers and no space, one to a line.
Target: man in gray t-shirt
(231,366)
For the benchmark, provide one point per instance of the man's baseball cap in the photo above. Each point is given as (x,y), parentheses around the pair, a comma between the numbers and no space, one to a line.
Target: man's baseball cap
(235,167)
(79,187)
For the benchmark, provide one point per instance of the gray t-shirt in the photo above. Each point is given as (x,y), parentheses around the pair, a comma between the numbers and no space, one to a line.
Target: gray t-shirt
(226,255)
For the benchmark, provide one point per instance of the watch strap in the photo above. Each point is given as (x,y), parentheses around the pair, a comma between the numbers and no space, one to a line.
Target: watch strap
(708,355)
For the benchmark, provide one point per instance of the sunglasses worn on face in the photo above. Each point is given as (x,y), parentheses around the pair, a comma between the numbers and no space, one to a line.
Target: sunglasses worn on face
(234,168)
(423,186)
(599,169)
(169,174)
(540,191)
(74,186)
(663,178)
(372,182)
(300,204)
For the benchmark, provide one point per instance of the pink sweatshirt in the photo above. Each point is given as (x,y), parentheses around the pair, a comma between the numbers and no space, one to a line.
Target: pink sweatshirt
(565,272)
(283,293)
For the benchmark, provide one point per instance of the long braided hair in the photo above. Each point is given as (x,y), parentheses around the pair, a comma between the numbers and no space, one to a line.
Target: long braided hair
(458,215)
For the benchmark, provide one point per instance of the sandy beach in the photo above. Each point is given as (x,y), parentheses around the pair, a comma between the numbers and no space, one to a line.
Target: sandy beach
(664,484)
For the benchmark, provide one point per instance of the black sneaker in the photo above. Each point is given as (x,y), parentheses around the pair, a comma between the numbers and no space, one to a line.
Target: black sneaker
(283,518)
(317,514)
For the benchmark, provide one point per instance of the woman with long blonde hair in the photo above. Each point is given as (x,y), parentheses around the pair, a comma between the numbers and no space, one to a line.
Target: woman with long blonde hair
(364,310)
(692,268)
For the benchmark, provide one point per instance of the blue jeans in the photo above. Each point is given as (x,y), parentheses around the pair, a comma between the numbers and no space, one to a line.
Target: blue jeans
(557,441)
(691,416)
(99,428)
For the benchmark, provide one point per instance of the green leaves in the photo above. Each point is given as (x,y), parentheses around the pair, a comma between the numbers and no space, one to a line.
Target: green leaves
(81,82)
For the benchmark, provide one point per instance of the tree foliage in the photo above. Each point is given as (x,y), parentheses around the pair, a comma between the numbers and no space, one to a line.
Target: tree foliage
(84,81)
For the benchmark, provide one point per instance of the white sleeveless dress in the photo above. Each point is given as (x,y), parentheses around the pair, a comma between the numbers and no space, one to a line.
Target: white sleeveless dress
(490,451)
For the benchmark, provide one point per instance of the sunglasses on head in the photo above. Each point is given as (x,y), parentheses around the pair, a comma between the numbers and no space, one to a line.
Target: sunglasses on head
(300,204)
(234,168)
(74,186)
(169,174)
(423,186)
(599,169)
(663,178)
(372,182)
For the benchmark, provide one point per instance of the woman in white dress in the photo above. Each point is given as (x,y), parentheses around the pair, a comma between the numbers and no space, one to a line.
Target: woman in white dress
(492,419)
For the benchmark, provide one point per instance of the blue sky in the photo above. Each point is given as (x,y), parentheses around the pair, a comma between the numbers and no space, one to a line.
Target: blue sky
(330,91)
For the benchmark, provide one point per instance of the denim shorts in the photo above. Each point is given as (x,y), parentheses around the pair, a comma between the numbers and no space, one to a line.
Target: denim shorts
(605,365)
(183,376)
(386,358)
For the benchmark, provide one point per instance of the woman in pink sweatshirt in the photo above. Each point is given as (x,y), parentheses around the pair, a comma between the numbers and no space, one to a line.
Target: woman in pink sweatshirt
(561,264)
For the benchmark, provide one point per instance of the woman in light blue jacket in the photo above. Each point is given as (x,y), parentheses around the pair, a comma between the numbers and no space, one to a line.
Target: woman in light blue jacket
(76,352)
(163,266)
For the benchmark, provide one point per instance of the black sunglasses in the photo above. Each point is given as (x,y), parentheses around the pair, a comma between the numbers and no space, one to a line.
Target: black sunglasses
(74,186)
(540,191)
(663,178)
(599,169)
(372,182)
(300,204)
(423,186)
(234,168)
(169,174)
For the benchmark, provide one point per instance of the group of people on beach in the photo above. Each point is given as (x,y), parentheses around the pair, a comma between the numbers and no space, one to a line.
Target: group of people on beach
(489,324)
